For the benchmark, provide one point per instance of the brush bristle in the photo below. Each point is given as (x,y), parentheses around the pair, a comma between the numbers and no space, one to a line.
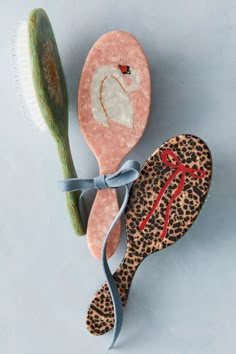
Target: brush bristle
(24,70)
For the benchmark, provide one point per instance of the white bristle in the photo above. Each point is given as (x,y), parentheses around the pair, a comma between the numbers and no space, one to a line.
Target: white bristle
(23,68)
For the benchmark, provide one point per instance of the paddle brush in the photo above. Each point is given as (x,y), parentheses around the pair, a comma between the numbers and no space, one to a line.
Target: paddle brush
(44,91)
(113,106)
(164,202)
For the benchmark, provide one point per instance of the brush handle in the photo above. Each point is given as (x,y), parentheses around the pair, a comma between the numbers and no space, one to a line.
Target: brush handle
(100,316)
(102,214)
(72,198)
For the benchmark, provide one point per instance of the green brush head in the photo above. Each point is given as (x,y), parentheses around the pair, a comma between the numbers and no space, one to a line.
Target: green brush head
(48,77)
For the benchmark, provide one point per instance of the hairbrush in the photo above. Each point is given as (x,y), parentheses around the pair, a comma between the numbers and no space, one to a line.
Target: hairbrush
(164,202)
(44,90)
(113,109)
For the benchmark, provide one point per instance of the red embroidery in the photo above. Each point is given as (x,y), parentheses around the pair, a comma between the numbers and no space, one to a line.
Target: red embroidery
(125,69)
(180,168)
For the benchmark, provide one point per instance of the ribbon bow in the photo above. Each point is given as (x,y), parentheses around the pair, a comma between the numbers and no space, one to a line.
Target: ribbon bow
(127,174)
(180,168)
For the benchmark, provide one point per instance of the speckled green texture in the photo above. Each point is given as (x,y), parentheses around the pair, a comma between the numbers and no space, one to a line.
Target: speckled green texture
(50,88)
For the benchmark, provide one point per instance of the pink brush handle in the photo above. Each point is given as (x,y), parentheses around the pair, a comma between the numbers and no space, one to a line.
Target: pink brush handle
(103,212)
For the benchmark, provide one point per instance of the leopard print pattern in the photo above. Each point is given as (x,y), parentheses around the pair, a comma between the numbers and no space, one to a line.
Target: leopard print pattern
(193,153)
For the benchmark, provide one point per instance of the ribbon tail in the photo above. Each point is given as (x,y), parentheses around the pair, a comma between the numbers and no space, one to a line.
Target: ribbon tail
(75,184)
(116,300)
(157,201)
(175,195)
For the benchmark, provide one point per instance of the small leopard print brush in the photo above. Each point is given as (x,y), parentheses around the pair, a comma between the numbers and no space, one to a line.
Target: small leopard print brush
(163,204)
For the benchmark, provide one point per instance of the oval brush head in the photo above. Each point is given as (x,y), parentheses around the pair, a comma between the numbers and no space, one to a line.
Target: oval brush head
(44,90)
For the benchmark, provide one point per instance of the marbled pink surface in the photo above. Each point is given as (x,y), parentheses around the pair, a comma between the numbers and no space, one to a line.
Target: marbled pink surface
(111,143)
(104,210)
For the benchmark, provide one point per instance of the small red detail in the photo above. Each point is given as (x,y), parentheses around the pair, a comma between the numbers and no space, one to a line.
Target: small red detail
(124,68)
(180,168)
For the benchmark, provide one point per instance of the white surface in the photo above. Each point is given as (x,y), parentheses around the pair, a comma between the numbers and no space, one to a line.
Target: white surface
(183,300)
(108,82)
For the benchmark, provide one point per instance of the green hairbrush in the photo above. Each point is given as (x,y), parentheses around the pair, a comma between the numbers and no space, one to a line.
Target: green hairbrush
(45,93)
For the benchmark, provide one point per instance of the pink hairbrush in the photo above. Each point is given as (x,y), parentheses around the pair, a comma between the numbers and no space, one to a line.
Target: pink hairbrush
(113,108)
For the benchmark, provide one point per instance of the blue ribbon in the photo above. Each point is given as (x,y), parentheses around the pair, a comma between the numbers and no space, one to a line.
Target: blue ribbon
(127,174)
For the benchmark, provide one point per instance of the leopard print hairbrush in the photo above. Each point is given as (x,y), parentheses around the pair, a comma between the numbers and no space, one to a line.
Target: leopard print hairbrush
(163,204)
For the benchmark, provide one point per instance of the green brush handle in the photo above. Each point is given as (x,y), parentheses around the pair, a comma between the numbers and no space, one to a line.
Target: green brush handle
(72,198)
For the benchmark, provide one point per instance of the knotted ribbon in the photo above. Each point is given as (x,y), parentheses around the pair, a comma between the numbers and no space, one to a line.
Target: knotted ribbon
(127,174)
(180,168)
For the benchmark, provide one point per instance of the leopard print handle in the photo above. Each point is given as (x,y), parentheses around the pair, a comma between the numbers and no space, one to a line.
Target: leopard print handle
(100,317)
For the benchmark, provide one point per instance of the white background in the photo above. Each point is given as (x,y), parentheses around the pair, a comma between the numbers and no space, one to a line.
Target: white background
(183,300)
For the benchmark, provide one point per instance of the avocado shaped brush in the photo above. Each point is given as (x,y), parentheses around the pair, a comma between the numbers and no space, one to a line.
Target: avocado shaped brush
(44,89)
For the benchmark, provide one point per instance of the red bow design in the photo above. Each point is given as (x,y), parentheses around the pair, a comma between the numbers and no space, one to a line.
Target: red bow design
(180,168)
